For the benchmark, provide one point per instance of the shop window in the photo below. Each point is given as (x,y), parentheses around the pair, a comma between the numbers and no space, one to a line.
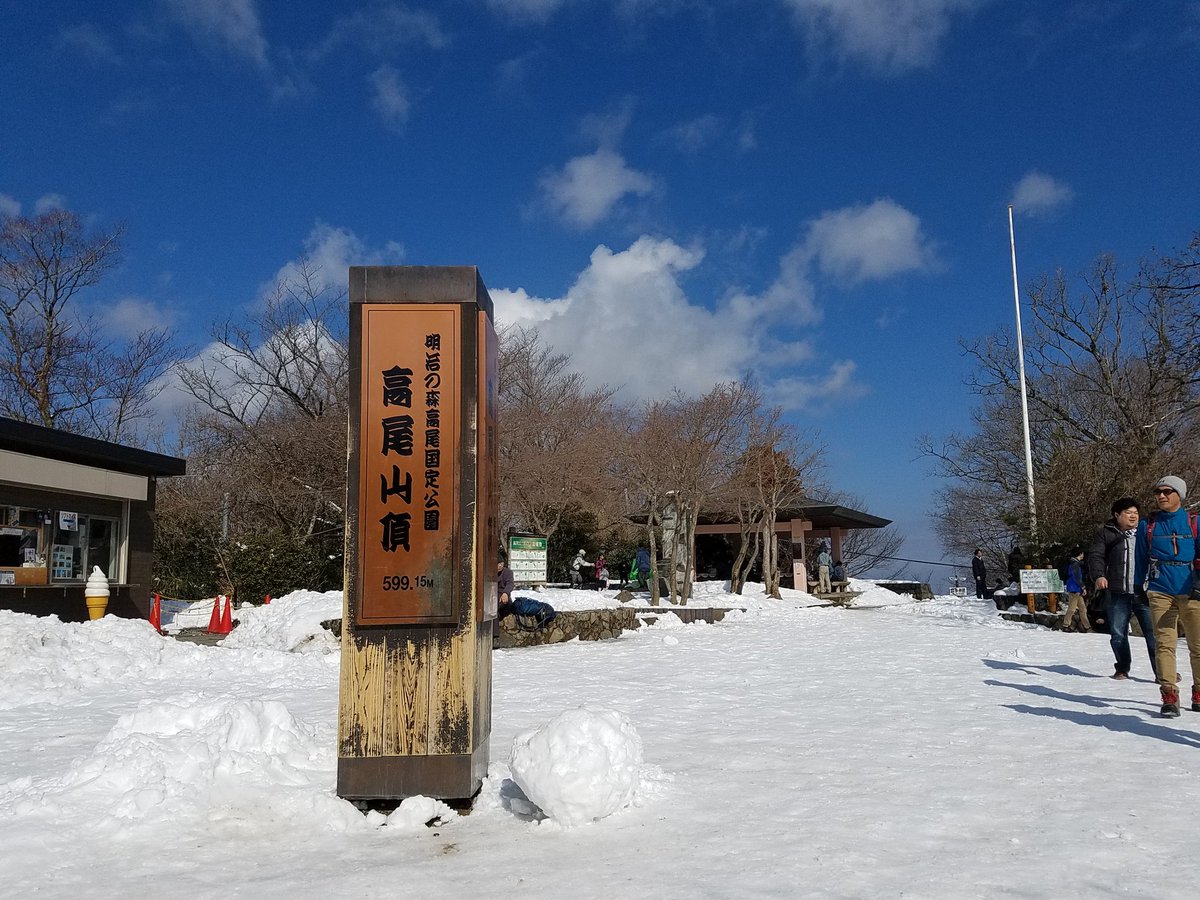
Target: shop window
(81,542)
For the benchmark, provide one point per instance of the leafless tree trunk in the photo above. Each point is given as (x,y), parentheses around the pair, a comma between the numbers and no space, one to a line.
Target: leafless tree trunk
(56,368)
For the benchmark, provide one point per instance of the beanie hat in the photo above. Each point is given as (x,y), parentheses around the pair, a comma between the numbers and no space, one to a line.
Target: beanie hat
(1174,482)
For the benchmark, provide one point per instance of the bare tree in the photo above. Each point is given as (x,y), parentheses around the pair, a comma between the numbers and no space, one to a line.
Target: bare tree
(555,436)
(268,430)
(1114,401)
(772,474)
(56,368)
(678,454)
(869,548)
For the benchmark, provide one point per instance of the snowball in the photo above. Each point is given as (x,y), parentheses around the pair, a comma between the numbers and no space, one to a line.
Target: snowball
(418,811)
(582,765)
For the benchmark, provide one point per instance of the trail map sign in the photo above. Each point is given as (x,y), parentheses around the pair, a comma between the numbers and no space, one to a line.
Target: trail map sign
(527,558)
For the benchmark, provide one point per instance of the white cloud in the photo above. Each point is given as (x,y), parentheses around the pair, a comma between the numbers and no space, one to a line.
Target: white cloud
(390,97)
(531,10)
(47,202)
(607,129)
(330,251)
(229,25)
(382,29)
(1037,194)
(587,189)
(747,137)
(9,208)
(790,295)
(889,36)
(130,316)
(839,384)
(90,42)
(627,322)
(865,243)
(696,134)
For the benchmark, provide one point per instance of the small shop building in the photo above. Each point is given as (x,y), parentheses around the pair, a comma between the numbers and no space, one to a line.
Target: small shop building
(69,503)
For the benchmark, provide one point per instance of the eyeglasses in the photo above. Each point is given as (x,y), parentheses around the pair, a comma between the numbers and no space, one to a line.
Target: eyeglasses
(1163,492)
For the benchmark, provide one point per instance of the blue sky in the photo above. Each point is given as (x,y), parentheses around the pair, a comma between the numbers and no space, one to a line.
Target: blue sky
(677,191)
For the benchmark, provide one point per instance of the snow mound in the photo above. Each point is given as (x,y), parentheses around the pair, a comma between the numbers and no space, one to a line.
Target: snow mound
(581,766)
(42,657)
(291,623)
(237,760)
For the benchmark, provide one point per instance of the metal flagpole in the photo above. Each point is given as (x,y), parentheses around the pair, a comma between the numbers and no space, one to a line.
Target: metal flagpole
(1021,371)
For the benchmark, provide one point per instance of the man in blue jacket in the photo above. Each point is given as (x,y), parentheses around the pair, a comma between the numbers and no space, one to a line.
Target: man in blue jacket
(1166,555)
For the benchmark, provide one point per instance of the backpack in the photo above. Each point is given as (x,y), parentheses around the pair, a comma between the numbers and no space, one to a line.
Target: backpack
(1064,569)
(1195,525)
(532,615)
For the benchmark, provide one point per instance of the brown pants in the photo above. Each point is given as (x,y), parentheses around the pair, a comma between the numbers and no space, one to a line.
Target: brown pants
(1167,611)
(1075,605)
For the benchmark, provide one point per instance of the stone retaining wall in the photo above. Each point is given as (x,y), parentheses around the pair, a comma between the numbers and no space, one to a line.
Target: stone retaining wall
(596,624)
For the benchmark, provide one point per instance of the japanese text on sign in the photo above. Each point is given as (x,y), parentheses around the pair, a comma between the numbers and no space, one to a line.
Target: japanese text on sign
(409,439)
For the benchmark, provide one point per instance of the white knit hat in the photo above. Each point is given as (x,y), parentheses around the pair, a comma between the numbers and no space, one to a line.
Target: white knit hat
(1175,483)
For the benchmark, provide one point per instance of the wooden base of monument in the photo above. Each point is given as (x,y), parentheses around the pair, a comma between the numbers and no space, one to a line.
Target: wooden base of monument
(454,777)
(415,713)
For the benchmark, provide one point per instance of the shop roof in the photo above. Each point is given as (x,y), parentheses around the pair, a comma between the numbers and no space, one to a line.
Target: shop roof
(48,443)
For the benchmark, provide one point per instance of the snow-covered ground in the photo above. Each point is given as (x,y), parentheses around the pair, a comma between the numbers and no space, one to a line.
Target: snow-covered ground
(890,749)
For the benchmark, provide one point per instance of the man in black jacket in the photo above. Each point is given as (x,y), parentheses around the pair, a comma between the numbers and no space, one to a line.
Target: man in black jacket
(1110,562)
(979,570)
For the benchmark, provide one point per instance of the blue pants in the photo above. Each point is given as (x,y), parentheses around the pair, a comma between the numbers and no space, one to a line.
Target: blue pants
(1120,608)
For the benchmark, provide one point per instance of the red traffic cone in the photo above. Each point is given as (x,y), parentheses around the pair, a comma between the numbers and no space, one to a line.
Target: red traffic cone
(156,614)
(227,617)
(214,621)
(267,602)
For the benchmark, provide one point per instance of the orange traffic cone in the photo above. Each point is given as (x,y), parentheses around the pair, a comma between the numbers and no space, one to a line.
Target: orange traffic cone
(267,602)
(214,621)
(227,617)
(156,614)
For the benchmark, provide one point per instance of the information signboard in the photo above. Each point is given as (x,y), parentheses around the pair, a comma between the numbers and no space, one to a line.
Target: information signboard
(1041,581)
(527,558)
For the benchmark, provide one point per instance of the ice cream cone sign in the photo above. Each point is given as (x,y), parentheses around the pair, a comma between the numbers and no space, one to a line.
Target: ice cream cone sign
(95,592)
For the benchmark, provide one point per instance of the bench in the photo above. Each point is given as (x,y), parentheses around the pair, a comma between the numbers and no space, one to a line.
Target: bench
(836,587)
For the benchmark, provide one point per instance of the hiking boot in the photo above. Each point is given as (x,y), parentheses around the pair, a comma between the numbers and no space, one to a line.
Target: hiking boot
(1170,705)
(1119,675)
(1195,698)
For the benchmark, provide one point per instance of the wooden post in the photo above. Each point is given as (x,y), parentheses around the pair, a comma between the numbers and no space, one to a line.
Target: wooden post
(414,713)
(1029,598)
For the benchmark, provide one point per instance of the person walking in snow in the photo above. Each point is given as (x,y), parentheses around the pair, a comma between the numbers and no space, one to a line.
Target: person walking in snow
(1076,589)
(1110,563)
(641,565)
(979,570)
(577,565)
(1165,557)
(824,561)
(602,570)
